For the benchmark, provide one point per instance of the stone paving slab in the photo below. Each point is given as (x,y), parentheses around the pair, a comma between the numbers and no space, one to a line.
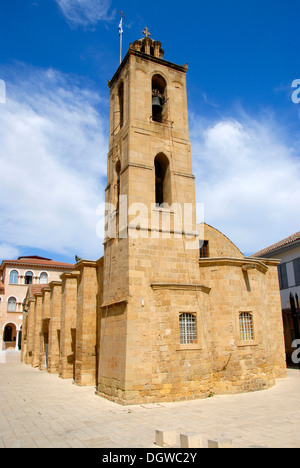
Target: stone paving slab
(40,410)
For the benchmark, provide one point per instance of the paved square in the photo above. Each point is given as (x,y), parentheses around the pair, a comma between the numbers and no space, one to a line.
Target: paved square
(42,410)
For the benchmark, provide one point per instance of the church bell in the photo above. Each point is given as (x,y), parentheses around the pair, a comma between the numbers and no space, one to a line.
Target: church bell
(156,104)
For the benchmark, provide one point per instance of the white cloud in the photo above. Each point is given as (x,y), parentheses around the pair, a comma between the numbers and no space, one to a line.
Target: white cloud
(53,151)
(8,252)
(85,12)
(53,164)
(248,178)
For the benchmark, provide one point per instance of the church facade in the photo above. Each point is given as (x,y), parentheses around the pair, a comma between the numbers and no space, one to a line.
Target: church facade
(173,310)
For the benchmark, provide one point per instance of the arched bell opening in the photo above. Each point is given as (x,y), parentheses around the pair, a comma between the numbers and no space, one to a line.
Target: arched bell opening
(159,98)
(162,180)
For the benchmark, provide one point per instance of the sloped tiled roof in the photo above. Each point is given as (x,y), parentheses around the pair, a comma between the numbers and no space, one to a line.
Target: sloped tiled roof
(37,261)
(279,245)
(35,288)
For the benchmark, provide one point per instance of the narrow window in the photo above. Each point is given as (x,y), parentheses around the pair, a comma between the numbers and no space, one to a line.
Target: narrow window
(283,278)
(161,163)
(187,328)
(43,278)
(13,278)
(246,326)
(11,304)
(204,250)
(159,183)
(28,277)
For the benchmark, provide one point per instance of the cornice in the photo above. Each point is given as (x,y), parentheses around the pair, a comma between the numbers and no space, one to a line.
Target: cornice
(243,263)
(147,57)
(181,287)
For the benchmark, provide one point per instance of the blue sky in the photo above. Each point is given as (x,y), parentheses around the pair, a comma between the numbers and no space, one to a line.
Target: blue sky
(56,59)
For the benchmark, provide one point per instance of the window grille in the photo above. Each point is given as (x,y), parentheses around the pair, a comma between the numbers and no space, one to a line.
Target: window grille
(187,326)
(11,304)
(246,326)
(13,279)
(43,278)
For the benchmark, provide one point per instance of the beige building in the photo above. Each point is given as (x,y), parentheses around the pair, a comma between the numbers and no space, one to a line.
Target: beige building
(15,278)
(173,310)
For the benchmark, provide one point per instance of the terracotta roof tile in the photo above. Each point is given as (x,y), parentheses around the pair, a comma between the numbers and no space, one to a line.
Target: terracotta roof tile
(38,262)
(285,242)
(35,288)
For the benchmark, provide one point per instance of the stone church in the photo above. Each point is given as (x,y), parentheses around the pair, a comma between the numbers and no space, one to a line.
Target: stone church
(172,311)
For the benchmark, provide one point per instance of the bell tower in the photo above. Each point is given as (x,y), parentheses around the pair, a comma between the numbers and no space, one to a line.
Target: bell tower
(151,244)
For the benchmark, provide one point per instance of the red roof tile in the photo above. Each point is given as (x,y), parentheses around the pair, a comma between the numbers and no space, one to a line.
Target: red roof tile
(279,245)
(35,288)
(37,261)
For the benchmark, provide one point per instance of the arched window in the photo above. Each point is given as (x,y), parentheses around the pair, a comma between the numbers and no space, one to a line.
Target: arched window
(13,277)
(11,304)
(162,180)
(28,277)
(7,335)
(43,278)
(159,98)
(246,326)
(187,328)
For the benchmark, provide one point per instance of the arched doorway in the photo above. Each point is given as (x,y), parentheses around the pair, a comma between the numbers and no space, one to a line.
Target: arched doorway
(9,336)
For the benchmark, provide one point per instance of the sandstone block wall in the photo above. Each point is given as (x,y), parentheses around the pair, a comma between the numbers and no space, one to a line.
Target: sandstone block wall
(37,330)
(86,325)
(68,325)
(44,331)
(54,327)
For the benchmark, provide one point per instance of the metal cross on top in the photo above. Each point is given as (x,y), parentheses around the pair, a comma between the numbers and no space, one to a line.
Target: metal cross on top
(146,32)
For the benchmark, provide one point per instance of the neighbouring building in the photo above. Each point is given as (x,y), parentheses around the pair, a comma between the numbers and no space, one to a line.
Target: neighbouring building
(172,311)
(288,252)
(15,278)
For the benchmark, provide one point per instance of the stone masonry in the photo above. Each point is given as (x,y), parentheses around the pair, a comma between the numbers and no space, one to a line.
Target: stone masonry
(172,311)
